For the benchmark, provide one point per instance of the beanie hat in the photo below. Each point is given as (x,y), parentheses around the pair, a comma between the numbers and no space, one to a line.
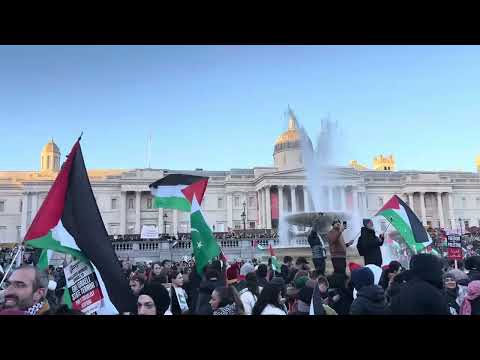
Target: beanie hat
(159,295)
(449,275)
(246,268)
(354,266)
(362,277)
(300,282)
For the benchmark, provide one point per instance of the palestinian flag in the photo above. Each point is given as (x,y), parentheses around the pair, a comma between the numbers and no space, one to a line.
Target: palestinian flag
(275,264)
(257,246)
(176,191)
(69,222)
(205,246)
(402,218)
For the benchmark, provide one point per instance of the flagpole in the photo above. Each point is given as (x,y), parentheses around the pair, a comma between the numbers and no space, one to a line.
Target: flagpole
(11,264)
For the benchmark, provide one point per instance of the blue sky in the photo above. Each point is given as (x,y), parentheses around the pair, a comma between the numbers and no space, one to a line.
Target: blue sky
(222,107)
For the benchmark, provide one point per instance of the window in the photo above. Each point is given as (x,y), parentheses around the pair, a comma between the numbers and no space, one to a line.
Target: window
(2,205)
(464,203)
(236,202)
(220,203)
(131,204)
(380,202)
(114,228)
(252,224)
(251,202)
(114,204)
(149,203)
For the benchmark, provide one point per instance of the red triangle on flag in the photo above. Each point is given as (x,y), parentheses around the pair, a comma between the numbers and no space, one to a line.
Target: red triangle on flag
(198,188)
(270,249)
(393,203)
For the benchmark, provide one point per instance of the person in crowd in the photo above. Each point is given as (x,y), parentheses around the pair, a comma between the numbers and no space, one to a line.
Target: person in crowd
(246,269)
(318,251)
(270,301)
(261,272)
(178,296)
(338,247)
(398,282)
(166,266)
(153,299)
(233,273)
(339,297)
(225,301)
(156,274)
(369,244)
(389,273)
(451,293)
(471,302)
(137,282)
(26,290)
(423,294)
(286,266)
(213,280)
(370,297)
(319,302)
(249,295)
(472,264)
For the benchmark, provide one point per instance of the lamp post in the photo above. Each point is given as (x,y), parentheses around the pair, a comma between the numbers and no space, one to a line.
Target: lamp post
(244,218)
(460,222)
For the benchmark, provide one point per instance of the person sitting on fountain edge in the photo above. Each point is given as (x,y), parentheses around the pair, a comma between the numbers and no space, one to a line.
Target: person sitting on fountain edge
(318,251)
(338,247)
(369,244)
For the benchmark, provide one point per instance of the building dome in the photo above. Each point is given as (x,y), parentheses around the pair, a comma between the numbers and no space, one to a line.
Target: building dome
(290,139)
(51,147)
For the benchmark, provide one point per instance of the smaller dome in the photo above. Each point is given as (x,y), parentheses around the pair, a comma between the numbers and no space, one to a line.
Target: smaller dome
(51,147)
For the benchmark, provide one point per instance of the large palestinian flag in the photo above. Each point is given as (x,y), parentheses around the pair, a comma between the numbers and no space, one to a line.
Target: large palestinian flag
(69,222)
(175,191)
(402,218)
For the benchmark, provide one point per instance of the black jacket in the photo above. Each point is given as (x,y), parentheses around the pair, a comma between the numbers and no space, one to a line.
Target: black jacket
(420,297)
(369,247)
(370,301)
(451,296)
(476,306)
(204,295)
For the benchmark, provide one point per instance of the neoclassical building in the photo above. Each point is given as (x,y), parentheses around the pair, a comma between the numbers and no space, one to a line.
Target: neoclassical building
(441,199)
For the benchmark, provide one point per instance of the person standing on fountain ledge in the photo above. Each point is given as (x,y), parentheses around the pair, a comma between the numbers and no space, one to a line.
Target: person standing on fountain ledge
(369,244)
(338,247)
(318,251)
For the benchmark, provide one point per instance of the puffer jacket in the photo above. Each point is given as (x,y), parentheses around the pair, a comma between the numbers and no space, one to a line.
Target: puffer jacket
(370,301)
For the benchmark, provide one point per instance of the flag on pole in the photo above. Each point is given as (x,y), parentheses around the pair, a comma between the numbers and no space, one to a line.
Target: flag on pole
(69,222)
(176,191)
(275,263)
(402,218)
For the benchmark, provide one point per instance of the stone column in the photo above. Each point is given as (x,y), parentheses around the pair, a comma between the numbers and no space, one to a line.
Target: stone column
(138,196)
(355,201)
(280,201)
(268,207)
(161,224)
(294,198)
(306,204)
(123,212)
(450,209)
(34,206)
(24,215)
(410,200)
(229,210)
(259,206)
(422,208)
(440,210)
(175,222)
(245,200)
(330,198)
(343,199)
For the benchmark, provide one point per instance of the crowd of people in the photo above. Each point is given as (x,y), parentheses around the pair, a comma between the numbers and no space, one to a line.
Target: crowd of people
(430,285)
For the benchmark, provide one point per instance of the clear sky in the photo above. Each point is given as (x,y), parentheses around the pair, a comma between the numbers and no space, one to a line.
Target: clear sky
(222,107)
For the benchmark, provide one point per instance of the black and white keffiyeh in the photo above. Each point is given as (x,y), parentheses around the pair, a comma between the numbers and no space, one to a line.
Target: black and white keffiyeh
(33,310)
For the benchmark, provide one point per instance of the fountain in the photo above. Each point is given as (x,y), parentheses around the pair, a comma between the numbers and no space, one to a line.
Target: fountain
(318,163)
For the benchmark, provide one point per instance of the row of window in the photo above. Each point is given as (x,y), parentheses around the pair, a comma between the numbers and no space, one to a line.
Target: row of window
(429,202)
(3,202)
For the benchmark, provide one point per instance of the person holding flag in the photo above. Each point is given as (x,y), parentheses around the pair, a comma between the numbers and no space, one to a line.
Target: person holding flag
(369,244)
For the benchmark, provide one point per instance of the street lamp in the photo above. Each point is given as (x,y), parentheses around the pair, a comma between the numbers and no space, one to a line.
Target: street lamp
(460,222)
(244,217)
